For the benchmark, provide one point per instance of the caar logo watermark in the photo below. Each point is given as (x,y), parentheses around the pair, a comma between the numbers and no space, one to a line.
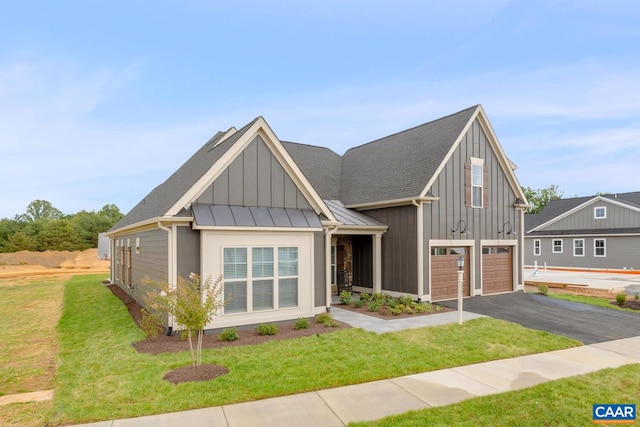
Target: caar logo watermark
(620,413)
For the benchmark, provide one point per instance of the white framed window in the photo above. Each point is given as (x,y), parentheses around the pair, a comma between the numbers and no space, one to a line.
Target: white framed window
(600,247)
(578,247)
(600,212)
(477,182)
(260,278)
(537,247)
(557,246)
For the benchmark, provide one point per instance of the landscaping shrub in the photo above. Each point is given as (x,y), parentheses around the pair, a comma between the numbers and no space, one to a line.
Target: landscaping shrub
(636,297)
(364,297)
(326,320)
(302,323)
(358,303)
(230,334)
(345,297)
(267,329)
(406,300)
(384,310)
(375,304)
(396,311)
(151,324)
(621,298)
(543,289)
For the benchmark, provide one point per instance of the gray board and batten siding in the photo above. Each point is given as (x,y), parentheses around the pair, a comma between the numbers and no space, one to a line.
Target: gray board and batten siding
(621,252)
(255,179)
(150,262)
(320,294)
(617,217)
(441,216)
(399,262)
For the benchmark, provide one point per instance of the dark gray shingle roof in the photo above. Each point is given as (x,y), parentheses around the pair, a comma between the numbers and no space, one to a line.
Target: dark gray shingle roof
(165,195)
(399,166)
(320,165)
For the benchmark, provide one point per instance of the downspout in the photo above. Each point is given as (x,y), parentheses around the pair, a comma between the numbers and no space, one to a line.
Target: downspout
(420,239)
(170,319)
(327,264)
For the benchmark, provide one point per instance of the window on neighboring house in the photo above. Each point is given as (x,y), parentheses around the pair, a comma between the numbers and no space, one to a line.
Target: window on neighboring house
(263,286)
(578,247)
(600,212)
(557,246)
(599,247)
(476,192)
(537,249)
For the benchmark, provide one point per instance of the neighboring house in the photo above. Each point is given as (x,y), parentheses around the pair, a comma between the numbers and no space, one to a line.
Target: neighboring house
(284,222)
(601,232)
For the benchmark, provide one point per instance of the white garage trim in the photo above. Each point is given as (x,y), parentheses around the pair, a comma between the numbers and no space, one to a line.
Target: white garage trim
(515,253)
(470,244)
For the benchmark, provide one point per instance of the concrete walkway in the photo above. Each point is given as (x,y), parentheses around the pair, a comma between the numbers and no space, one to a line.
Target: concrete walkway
(380,326)
(378,399)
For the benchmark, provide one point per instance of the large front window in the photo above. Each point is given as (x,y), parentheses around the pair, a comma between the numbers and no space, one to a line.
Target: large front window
(270,283)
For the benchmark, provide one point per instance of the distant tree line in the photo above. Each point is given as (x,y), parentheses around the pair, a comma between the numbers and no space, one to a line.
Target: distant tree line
(43,227)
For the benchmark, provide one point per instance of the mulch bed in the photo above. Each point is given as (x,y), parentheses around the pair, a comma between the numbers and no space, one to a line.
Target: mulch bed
(388,316)
(174,343)
(632,304)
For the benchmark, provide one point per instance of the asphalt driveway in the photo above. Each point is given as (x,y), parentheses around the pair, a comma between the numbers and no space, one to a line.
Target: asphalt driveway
(583,322)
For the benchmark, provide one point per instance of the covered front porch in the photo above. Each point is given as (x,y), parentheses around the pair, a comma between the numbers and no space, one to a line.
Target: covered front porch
(354,251)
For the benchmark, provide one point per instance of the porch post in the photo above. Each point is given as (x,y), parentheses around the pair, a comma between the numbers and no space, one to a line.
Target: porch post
(377,262)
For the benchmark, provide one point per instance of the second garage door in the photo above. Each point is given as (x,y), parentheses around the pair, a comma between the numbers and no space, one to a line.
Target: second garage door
(444,273)
(497,269)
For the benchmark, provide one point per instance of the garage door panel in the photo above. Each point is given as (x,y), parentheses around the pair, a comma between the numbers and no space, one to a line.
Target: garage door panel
(444,276)
(497,270)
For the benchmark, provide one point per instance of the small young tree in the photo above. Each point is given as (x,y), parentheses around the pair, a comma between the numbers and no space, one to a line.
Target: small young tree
(192,303)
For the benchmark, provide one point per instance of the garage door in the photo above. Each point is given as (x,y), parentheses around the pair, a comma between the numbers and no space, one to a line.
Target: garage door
(444,273)
(497,269)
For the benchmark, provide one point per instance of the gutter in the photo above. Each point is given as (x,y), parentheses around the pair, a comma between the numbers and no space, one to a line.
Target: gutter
(327,264)
(170,319)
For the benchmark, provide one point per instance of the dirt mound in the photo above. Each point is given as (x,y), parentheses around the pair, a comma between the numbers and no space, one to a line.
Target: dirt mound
(26,263)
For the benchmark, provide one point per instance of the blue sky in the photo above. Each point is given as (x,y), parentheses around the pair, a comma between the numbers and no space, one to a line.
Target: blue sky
(100,101)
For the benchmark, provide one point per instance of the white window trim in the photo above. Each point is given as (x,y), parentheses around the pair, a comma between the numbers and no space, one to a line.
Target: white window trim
(605,248)
(537,247)
(595,211)
(553,246)
(251,279)
(574,247)
(477,162)
(213,243)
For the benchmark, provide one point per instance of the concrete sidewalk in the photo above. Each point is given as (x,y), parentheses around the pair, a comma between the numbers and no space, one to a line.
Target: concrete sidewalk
(378,399)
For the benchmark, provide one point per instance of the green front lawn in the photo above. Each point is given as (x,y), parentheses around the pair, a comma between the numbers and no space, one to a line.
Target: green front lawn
(101,376)
(598,302)
(566,402)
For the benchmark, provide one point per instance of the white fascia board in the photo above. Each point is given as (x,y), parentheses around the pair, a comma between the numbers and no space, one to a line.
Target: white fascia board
(503,160)
(361,229)
(260,127)
(150,224)
(453,148)
(257,229)
(391,203)
(232,131)
(561,236)
(293,170)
